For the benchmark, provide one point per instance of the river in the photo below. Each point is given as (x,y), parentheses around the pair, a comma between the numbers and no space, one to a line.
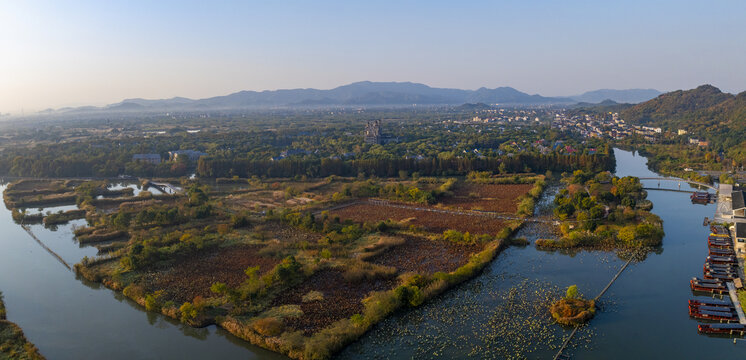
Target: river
(499,314)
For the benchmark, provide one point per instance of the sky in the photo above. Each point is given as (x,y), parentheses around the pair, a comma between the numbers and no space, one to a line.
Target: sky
(71,53)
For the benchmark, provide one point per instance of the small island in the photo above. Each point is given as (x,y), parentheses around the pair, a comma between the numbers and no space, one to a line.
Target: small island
(602,210)
(572,309)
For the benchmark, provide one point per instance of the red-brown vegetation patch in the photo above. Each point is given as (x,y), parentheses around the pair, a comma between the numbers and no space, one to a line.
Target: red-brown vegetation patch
(430,220)
(342,299)
(193,275)
(501,198)
(425,256)
(286,234)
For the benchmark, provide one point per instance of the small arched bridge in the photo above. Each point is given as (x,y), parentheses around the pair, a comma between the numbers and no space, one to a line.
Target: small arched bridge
(680,181)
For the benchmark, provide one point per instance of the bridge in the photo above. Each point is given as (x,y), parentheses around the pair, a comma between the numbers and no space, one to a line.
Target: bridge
(163,187)
(680,181)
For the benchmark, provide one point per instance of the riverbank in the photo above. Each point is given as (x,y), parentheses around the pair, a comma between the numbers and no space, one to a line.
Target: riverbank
(13,344)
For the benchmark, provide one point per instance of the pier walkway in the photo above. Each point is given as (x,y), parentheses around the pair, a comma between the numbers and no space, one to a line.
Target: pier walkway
(734,298)
(50,251)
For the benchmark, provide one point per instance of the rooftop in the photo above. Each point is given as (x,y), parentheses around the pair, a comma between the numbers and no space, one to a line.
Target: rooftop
(738,202)
(725,189)
(741,230)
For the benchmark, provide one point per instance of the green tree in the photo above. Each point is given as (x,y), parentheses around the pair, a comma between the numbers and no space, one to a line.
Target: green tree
(572,292)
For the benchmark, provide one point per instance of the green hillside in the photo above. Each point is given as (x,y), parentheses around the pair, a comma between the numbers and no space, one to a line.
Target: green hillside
(705,112)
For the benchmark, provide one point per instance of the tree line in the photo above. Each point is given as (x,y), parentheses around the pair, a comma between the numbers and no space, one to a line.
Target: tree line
(212,167)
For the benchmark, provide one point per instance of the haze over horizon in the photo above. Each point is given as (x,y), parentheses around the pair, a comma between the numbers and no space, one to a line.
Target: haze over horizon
(92,53)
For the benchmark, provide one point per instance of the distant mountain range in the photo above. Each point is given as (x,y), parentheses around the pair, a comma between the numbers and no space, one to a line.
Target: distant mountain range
(630,96)
(364,93)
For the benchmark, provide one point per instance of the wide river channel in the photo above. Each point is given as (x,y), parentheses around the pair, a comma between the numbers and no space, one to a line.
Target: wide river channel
(500,314)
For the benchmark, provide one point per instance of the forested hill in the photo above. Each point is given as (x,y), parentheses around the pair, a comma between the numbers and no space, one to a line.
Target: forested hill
(705,112)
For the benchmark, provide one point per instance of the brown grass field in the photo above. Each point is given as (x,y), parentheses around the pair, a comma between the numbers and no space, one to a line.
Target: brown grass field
(342,299)
(193,275)
(502,198)
(431,221)
(425,256)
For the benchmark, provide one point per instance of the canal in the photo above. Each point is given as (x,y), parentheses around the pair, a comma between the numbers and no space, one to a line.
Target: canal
(503,312)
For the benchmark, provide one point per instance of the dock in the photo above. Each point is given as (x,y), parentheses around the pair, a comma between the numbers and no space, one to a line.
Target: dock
(734,298)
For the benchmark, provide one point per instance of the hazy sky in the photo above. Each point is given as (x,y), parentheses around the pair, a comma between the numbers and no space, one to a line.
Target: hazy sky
(69,53)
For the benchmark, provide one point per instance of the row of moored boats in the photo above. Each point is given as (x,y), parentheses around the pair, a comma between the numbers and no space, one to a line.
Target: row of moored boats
(720,267)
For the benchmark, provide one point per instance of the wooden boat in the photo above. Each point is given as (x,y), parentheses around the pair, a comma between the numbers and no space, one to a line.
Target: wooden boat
(717,246)
(710,264)
(706,281)
(700,197)
(725,329)
(713,315)
(722,276)
(722,259)
(710,302)
(715,268)
(713,288)
(719,229)
(719,236)
(722,252)
(720,266)
(719,242)
(712,308)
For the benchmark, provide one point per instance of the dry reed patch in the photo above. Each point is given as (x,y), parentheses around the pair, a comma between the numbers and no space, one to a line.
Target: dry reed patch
(429,220)
(501,198)
(341,299)
(425,256)
(193,275)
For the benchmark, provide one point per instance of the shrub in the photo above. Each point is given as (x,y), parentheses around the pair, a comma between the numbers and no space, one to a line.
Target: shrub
(240,220)
(188,312)
(288,269)
(363,270)
(378,305)
(152,301)
(269,326)
(313,296)
(410,294)
(572,292)
(133,291)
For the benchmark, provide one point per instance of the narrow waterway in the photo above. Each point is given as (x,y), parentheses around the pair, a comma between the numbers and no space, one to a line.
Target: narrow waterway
(503,312)
(67,318)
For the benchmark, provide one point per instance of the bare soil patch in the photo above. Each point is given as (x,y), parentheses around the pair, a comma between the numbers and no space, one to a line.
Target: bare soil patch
(425,256)
(342,299)
(501,198)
